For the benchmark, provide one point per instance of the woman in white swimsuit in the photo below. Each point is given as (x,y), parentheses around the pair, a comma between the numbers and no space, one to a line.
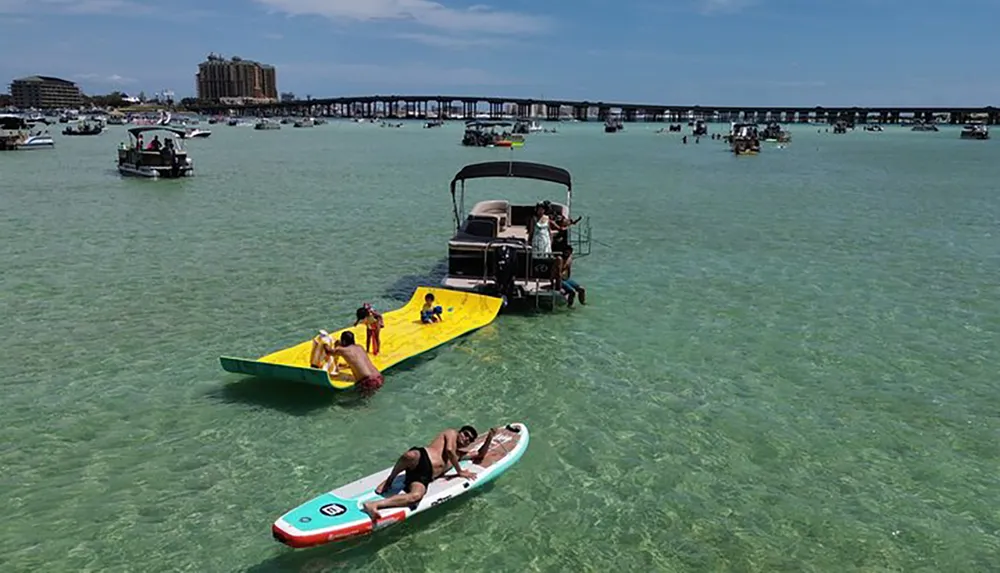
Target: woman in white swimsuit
(540,232)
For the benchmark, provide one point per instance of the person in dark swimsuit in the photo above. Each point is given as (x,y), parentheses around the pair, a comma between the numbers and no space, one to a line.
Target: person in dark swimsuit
(424,465)
(422,473)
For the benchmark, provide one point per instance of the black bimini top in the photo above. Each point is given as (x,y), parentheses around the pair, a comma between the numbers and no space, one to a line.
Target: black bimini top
(518,169)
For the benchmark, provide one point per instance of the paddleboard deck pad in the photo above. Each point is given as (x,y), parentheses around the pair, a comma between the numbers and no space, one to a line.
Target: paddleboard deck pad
(337,515)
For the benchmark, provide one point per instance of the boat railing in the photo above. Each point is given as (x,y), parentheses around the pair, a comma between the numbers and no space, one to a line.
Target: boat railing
(580,237)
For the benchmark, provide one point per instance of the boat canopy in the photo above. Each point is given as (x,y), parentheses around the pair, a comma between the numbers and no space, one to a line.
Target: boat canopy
(135,131)
(12,122)
(516,169)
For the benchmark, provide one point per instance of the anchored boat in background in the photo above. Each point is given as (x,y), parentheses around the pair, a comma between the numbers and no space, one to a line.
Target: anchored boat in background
(167,159)
(975,131)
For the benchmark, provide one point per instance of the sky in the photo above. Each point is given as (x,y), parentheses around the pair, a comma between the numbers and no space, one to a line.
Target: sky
(674,52)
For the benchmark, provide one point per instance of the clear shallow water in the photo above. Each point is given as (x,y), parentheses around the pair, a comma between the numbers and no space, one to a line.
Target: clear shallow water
(788,364)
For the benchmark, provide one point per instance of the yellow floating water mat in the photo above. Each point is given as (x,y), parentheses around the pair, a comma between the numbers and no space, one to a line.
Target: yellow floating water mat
(403,337)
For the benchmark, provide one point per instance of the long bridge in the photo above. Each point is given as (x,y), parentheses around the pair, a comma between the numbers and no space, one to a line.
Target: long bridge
(468,107)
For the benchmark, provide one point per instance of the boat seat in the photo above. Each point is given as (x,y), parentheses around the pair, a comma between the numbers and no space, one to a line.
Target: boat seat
(500,209)
(480,226)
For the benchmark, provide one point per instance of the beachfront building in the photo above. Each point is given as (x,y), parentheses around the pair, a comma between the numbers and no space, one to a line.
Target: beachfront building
(45,92)
(236,80)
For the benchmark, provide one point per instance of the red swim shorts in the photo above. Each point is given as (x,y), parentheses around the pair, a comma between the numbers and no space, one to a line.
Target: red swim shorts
(369,384)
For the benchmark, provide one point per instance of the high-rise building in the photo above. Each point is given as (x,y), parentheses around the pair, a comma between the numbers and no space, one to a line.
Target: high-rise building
(45,92)
(235,79)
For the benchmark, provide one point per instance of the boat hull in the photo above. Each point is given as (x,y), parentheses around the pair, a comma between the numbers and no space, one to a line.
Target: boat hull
(37,143)
(151,173)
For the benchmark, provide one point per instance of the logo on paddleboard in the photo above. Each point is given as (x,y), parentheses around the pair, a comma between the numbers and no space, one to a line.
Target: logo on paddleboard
(440,500)
(332,510)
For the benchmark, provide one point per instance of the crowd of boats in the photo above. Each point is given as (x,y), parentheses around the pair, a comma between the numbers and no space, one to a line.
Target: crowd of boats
(745,138)
(20,131)
(25,131)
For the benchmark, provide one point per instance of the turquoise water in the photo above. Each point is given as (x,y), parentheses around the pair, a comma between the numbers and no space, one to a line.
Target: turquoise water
(788,363)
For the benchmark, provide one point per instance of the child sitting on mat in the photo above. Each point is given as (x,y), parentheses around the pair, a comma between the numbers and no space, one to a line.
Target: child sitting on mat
(322,353)
(430,313)
(373,325)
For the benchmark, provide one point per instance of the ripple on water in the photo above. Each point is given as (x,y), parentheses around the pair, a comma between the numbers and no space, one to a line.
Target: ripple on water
(787,363)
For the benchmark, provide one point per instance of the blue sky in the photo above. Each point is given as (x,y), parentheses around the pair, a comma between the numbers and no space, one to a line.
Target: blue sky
(707,52)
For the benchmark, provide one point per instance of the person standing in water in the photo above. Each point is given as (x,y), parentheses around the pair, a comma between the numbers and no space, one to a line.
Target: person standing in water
(367,378)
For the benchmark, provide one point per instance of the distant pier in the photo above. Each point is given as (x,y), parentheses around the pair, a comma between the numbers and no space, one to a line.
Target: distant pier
(467,107)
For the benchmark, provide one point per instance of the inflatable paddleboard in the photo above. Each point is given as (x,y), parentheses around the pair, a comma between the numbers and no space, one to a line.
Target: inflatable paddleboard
(337,515)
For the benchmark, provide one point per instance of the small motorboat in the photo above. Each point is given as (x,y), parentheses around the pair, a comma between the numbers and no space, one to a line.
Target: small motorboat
(266,124)
(37,141)
(84,128)
(975,131)
(197,133)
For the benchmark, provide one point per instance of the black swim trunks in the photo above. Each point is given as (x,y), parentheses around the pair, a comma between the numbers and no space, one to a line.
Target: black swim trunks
(423,473)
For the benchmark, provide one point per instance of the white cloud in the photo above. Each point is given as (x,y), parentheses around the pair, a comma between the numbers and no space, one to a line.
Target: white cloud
(417,75)
(113,79)
(423,12)
(70,6)
(443,41)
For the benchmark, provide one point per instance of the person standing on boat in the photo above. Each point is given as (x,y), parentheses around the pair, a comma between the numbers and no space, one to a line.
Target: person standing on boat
(540,232)
(367,378)
(561,237)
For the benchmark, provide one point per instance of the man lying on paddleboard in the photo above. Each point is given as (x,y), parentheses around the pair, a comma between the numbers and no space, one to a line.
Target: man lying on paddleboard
(424,465)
